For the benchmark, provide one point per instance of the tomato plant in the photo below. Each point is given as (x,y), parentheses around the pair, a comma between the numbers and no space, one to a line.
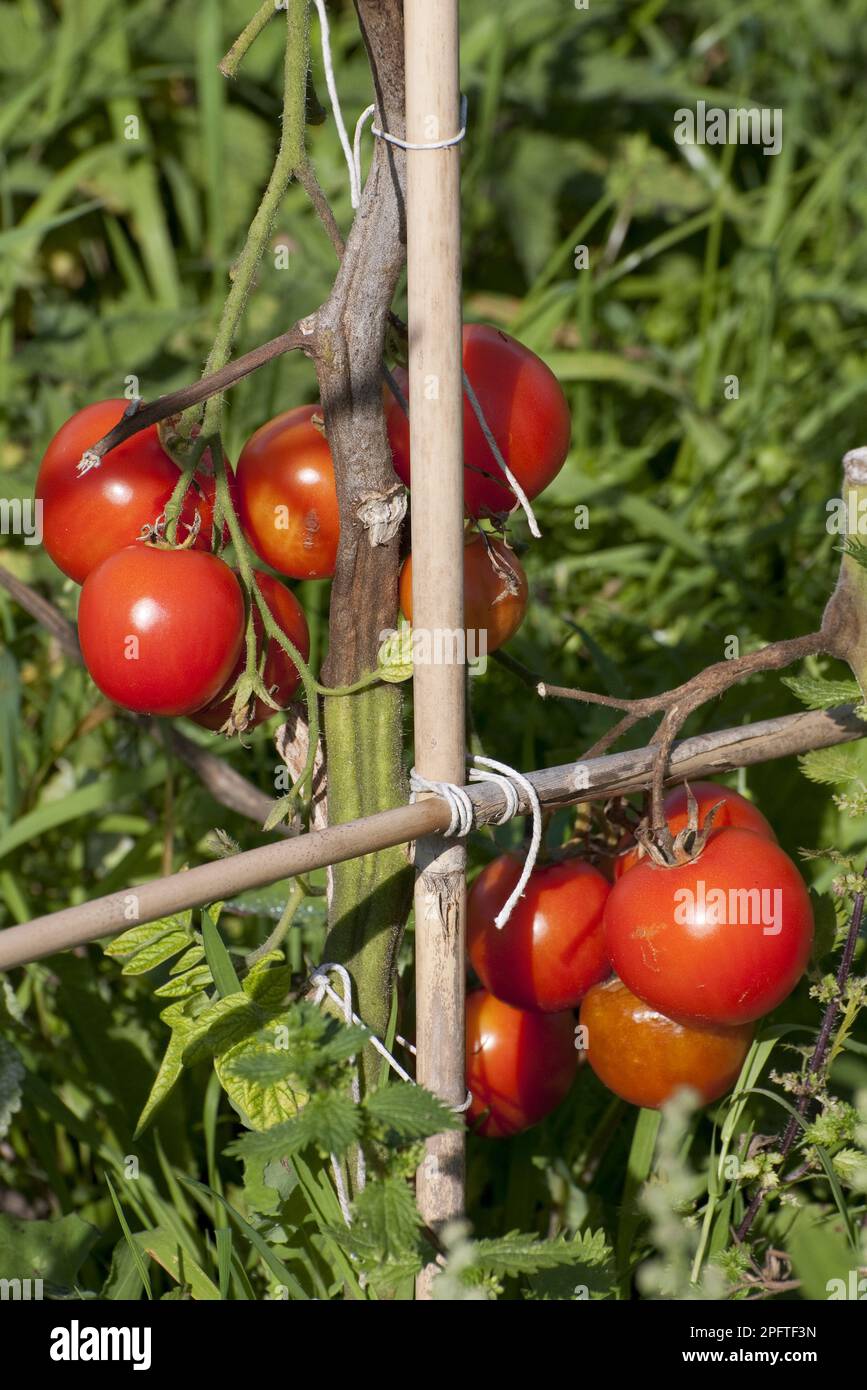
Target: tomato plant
(732,810)
(87,518)
(279,675)
(723,938)
(520,1064)
(287,495)
(526,411)
(552,948)
(645,1057)
(160,629)
(495,593)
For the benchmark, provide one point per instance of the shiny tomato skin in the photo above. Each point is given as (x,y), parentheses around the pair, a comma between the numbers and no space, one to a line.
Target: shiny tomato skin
(736,811)
(520,1065)
(288,496)
(185,611)
(645,1058)
(552,949)
(495,604)
(85,519)
(280,670)
(668,944)
(526,411)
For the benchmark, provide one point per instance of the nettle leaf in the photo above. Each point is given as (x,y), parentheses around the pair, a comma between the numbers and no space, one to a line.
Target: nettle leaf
(833,767)
(329,1121)
(410,1111)
(516,1253)
(12,1073)
(816,693)
(386,1216)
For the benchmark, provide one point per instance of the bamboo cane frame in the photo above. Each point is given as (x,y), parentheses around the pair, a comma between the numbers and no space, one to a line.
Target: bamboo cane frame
(432,40)
(569,784)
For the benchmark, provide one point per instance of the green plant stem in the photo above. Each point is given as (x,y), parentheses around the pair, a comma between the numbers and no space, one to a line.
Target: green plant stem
(236,54)
(371,894)
(297,894)
(290,158)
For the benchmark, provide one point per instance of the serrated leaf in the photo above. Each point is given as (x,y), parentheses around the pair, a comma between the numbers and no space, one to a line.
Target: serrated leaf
(833,767)
(411,1111)
(515,1253)
(817,693)
(329,1121)
(386,1214)
(12,1073)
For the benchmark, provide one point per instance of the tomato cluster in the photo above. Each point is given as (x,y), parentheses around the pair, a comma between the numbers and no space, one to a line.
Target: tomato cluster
(671,966)
(162,627)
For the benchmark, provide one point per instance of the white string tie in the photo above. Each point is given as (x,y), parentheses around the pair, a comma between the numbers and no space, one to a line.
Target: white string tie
(328,64)
(495,449)
(463,813)
(355,176)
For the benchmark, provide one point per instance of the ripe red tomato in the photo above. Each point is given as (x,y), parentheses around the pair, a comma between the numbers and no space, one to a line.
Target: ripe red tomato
(160,630)
(288,497)
(735,811)
(552,949)
(520,1065)
(87,518)
(723,939)
(526,411)
(644,1057)
(495,593)
(280,675)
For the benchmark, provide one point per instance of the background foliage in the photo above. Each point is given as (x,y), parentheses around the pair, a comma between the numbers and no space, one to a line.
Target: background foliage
(707,521)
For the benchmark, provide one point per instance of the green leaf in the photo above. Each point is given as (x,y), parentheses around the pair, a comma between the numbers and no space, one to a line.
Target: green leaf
(816,693)
(12,1074)
(147,934)
(515,1253)
(162,1246)
(329,1121)
(170,1070)
(156,953)
(410,1111)
(833,767)
(219,960)
(49,1250)
(386,1214)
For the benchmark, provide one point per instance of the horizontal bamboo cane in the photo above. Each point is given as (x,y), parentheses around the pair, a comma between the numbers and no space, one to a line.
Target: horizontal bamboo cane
(566,785)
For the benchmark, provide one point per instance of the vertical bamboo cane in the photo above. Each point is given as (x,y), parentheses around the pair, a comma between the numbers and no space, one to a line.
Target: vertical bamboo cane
(436,443)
